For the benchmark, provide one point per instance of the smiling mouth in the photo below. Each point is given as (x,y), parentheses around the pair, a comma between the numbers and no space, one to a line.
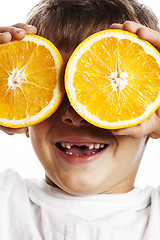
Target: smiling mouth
(80,149)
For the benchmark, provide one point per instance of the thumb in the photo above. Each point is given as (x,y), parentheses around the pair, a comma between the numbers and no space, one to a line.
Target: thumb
(12,131)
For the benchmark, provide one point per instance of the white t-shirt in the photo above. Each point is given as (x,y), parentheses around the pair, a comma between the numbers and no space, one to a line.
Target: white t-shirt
(33,210)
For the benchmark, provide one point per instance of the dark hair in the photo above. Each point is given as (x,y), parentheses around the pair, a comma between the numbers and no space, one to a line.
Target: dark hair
(67,22)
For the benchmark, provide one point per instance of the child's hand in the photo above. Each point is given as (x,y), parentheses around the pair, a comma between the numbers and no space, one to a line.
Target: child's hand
(15,32)
(7,34)
(151,126)
(143,32)
(12,131)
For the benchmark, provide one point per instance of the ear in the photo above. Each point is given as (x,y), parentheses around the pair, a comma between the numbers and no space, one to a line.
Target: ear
(27,132)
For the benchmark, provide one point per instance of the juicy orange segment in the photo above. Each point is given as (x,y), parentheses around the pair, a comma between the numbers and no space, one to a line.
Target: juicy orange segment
(113,79)
(31,81)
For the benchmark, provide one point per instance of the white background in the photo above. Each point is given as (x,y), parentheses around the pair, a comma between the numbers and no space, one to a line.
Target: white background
(16,151)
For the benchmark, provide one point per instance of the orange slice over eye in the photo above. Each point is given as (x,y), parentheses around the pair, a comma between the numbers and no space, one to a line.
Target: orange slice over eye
(31,81)
(113,79)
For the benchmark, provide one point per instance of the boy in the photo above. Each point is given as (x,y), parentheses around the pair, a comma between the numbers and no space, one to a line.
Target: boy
(90,196)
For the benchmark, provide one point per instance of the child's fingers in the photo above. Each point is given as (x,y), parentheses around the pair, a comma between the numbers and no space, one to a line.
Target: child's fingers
(116,26)
(11,33)
(131,26)
(12,131)
(6,130)
(150,126)
(135,131)
(28,28)
(155,135)
(150,35)
(143,32)
(129,131)
(5,37)
(16,32)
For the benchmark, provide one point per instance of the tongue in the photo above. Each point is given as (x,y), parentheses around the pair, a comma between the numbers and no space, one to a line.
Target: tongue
(81,150)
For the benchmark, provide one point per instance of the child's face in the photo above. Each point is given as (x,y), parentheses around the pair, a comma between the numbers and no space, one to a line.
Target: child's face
(111,170)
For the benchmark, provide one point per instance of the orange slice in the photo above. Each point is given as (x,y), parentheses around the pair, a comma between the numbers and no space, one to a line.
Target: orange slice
(113,79)
(31,81)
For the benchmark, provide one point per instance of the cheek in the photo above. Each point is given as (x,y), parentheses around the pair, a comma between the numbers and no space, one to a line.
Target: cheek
(42,151)
(38,140)
(128,152)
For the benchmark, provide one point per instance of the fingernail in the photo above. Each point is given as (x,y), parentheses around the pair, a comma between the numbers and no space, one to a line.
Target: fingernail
(29,26)
(30,29)
(18,30)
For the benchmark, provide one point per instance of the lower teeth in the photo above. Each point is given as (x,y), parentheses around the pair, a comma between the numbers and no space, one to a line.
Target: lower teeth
(78,155)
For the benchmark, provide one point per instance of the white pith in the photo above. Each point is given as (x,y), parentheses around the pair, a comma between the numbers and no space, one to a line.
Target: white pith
(15,78)
(118,79)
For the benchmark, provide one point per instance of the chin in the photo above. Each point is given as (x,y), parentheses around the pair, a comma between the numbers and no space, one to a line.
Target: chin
(81,193)
(80,189)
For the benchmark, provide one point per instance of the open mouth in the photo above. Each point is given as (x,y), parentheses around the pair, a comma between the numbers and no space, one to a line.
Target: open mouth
(81,149)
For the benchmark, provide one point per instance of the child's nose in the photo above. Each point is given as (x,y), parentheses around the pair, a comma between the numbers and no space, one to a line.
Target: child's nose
(71,117)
